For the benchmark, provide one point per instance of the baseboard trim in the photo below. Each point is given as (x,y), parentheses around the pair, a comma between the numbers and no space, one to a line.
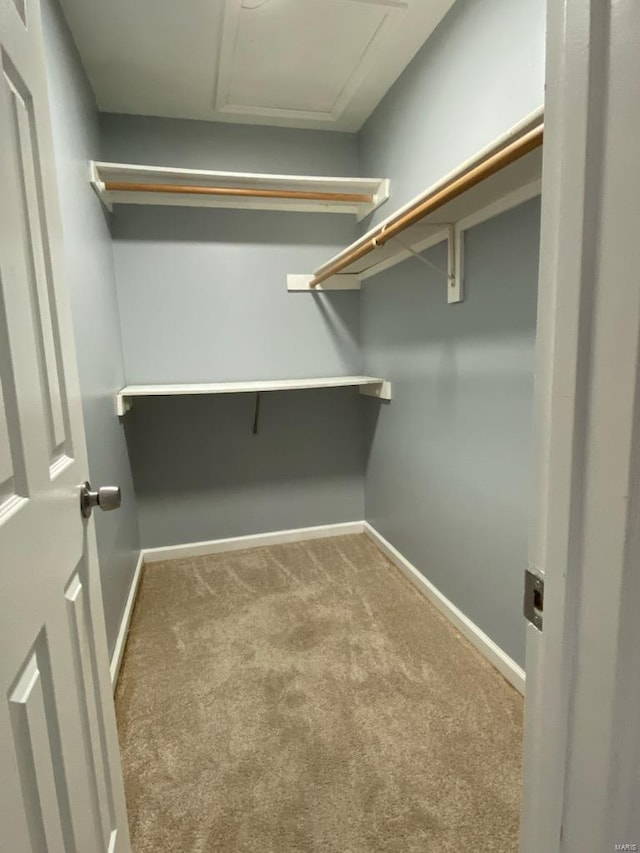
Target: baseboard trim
(258,540)
(121,639)
(483,643)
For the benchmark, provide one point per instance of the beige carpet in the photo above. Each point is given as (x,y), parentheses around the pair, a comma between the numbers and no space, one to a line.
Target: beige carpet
(305,698)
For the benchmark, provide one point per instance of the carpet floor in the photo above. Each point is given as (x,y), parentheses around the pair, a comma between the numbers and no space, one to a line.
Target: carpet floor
(306,698)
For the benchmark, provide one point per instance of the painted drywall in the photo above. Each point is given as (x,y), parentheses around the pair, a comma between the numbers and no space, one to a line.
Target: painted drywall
(201,473)
(91,278)
(203,297)
(229,147)
(448,476)
(450,461)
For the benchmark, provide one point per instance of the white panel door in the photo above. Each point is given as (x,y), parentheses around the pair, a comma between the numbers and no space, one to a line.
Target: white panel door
(61,780)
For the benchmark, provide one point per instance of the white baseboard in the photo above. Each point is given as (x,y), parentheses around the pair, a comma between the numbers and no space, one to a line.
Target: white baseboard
(121,639)
(258,540)
(484,644)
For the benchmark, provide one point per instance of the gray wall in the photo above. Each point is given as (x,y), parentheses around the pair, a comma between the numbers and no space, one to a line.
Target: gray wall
(449,461)
(203,295)
(227,147)
(91,278)
(200,473)
(203,298)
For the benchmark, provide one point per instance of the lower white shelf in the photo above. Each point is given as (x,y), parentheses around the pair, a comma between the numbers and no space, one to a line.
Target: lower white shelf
(372,386)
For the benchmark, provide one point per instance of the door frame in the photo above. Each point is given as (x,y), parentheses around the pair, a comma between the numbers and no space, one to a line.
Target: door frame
(581,744)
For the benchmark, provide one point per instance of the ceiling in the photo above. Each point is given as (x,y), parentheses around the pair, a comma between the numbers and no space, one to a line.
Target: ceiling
(294,63)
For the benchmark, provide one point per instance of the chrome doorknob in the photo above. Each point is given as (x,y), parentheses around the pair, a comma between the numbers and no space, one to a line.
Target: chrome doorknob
(106,497)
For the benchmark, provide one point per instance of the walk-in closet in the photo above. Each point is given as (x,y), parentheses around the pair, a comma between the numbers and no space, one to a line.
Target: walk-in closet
(297,421)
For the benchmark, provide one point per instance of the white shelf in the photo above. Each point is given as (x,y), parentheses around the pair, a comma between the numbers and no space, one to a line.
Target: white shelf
(507,188)
(102,174)
(372,386)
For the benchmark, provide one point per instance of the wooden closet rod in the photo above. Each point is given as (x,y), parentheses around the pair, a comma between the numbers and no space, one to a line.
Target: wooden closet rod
(238,192)
(441,196)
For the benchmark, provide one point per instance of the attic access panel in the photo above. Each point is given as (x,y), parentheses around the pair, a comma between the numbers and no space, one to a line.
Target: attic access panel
(325,49)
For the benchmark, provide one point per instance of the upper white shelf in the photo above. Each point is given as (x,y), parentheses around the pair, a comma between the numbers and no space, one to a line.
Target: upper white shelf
(122,183)
(372,386)
(501,176)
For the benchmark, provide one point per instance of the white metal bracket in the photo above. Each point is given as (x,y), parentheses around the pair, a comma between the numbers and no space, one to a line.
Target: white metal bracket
(454,271)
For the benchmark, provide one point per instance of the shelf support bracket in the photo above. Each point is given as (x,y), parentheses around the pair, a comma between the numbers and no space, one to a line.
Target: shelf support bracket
(381,390)
(123,405)
(453,273)
(256,414)
(455,291)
